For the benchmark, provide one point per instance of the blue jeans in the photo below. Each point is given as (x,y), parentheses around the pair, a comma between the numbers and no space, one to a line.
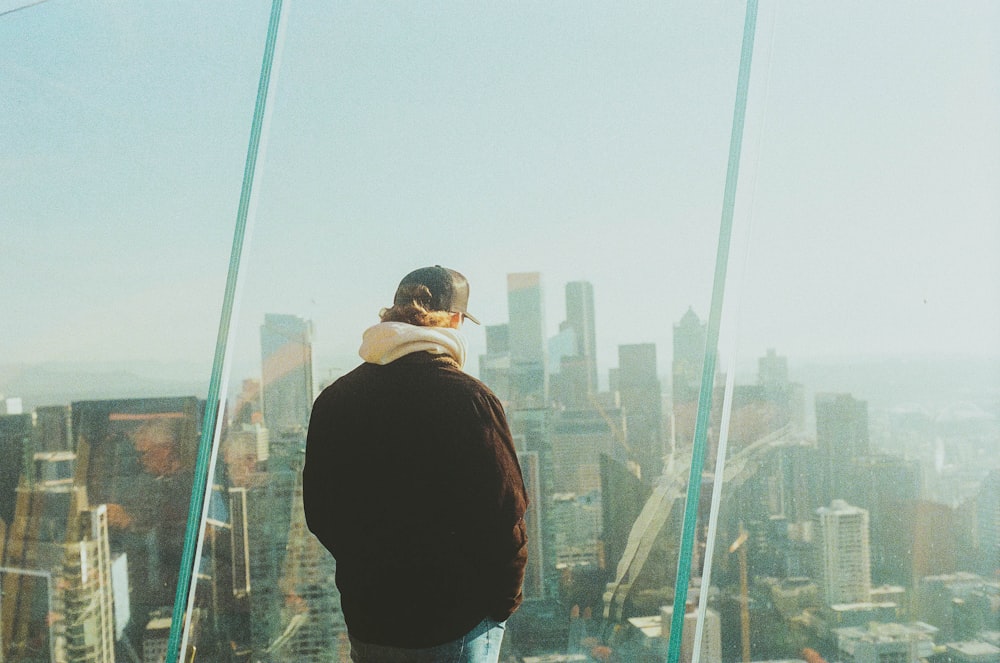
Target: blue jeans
(480,645)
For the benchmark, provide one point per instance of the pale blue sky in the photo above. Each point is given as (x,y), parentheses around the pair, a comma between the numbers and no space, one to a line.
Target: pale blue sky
(583,140)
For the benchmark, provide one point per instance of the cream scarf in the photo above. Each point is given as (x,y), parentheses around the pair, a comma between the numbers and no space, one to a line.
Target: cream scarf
(388,341)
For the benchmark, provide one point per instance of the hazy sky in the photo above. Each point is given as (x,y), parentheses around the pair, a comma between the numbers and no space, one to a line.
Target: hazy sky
(583,140)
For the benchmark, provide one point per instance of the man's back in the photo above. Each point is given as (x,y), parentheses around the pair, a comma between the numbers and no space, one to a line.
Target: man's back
(412,483)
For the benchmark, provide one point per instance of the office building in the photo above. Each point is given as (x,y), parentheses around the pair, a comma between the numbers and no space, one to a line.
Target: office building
(785,399)
(579,438)
(577,520)
(15,448)
(888,487)
(532,436)
(650,637)
(841,435)
(689,338)
(315,629)
(534,572)
(286,372)
(87,591)
(137,457)
(884,643)
(526,338)
(57,571)
(959,604)
(52,429)
(580,320)
(494,366)
(988,524)
(623,495)
(843,553)
(639,391)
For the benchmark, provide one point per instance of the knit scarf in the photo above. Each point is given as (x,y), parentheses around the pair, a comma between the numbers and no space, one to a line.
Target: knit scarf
(388,341)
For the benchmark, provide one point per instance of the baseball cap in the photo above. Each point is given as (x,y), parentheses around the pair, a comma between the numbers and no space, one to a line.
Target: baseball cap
(449,290)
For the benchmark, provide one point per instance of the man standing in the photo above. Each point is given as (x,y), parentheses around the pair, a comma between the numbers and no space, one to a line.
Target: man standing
(411,481)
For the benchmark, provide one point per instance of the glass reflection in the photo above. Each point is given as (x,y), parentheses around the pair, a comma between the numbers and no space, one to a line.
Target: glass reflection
(569,160)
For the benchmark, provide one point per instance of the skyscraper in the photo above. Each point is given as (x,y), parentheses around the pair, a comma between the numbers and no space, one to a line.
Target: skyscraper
(786,398)
(843,553)
(534,584)
(690,336)
(528,377)
(533,439)
(15,445)
(579,438)
(52,428)
(137,457)
(639,387)
(841,435)
(315,631)
(56,579)
(87,591)
(772,369)
(494,366)
(286,371)
(889,488)
(580,319)
(988,524)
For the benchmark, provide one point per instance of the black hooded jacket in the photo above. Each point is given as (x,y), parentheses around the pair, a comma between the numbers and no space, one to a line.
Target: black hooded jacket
(412,482)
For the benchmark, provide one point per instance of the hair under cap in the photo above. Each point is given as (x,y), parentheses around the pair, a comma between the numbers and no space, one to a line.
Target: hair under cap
(449,290)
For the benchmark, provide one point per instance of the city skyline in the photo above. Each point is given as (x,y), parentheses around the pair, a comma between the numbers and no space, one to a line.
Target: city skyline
(772,486)
(531,147)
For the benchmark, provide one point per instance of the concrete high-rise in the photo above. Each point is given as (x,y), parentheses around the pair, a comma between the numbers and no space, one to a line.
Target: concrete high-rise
(286,372)
(841,435)
(528,375)
(690,337)
(87,591)
(843,553)
(639,389)
(56,570)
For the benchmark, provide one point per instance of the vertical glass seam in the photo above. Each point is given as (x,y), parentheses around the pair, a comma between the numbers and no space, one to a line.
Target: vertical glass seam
(208,447)
(766,29)
(712,341)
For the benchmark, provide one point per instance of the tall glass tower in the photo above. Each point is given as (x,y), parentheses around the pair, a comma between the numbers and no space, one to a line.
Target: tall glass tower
(528,377)
(580,318)
(286,370)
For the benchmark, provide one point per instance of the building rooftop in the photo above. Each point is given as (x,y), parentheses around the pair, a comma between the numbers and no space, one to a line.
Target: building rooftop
(651,627)
(974,648)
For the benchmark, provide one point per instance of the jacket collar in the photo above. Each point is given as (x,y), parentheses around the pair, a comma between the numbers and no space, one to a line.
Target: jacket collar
(386,342)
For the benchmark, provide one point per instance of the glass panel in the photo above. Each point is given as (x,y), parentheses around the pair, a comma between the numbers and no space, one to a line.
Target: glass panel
(858,516)
(125,130)
(569,161)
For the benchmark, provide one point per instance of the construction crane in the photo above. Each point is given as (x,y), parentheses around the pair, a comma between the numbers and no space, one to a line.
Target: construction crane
(738,545)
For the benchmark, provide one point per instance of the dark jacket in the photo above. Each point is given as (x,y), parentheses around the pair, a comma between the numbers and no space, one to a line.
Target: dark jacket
(412,482)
